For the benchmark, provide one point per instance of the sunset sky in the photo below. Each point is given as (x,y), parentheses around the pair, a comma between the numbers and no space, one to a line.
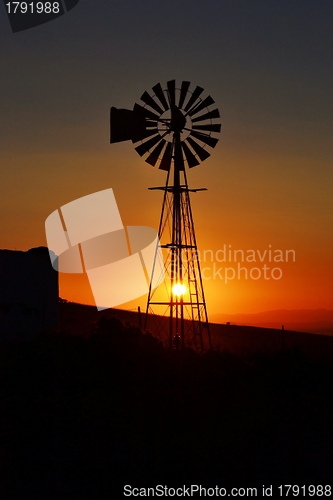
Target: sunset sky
(267,64)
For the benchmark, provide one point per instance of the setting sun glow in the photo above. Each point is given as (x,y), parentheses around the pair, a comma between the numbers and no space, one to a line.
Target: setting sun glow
(179,289)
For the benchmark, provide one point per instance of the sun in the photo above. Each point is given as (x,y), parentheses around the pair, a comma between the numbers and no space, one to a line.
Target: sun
(179,289)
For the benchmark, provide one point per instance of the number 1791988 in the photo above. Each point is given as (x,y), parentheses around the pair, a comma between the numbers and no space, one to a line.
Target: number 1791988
(304,491)
(33,7)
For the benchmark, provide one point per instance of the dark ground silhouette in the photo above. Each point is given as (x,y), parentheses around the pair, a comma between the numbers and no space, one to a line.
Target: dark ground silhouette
(83,416)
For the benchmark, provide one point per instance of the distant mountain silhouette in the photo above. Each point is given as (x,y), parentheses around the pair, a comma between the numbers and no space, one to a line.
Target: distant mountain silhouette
(304,320)
(76,319)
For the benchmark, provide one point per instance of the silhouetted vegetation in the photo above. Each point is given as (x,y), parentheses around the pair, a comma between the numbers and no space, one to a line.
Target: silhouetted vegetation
(83,416)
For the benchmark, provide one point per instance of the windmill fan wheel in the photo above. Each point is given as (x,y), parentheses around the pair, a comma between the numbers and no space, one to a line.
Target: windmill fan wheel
(175,124)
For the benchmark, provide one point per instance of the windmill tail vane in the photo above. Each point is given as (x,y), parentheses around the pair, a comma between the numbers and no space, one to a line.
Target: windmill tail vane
(173,128)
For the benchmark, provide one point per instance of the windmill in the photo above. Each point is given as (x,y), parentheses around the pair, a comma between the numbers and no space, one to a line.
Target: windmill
(172,129)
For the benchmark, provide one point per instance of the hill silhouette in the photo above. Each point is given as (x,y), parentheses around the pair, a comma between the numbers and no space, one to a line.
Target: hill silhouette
(75,319)
(319,321)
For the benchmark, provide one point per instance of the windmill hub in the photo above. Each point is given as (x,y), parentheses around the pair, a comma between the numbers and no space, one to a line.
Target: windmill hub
(174,121)
(178,120)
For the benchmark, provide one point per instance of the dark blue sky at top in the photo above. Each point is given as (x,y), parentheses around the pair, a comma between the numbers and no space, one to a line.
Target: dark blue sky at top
(231,47)
(267,63)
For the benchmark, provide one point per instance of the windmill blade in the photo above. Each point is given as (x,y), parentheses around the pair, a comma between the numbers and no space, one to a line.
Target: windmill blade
(146,146)
(147,99)
(207,116)
(201,152)
(190,157)
(154,155)
(207,139)
(160,95)
(197,92)
(167,157)
(178,155)
(172,92)
(140,110)
(204,104)
(210,127)
(183,92)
